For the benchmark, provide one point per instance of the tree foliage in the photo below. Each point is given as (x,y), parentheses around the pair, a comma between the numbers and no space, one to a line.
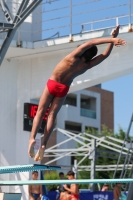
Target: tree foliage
(103,158)
(52,175)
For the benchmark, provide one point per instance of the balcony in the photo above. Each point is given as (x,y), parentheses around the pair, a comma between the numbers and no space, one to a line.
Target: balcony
(88,113)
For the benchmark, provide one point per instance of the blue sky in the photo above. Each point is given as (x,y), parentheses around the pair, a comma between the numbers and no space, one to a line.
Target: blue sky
(56,15)
(56,18)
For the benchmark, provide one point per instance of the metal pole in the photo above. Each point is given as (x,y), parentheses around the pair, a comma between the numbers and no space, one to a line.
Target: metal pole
(18,21)
(6,43)
(93,162)
(19,38)
(129,127)
(27,12)
(70,35)
(130,191)
(75,170)
(22,7)
(129,8)
(6,11)
(117,21)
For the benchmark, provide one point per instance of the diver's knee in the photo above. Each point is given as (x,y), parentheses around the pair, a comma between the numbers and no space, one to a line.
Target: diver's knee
(39,114)
(52,116)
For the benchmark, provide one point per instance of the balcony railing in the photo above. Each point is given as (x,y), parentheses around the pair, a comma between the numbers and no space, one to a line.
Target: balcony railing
(58,18)
(88,113)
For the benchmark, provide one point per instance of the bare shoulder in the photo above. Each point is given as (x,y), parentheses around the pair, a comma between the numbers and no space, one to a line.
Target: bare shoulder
(70,59)
(63,62)
(74,185)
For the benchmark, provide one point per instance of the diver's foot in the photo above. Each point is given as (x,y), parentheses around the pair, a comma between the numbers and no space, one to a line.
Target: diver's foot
(31,148)
(39,154)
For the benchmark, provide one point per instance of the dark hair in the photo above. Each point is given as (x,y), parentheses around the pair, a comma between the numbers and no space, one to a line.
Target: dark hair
(118,183)
(106,185)
(35,172)
(61,173)
(70,173)
(90,53)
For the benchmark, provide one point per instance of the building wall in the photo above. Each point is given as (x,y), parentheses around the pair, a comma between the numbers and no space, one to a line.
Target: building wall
(7,117)
(15,90)
(107,106)
(21,81)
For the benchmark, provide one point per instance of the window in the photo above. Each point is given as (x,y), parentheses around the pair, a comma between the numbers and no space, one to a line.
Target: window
(88,106)
(71,99)
(73,126)
(87,102)
(98,86)
(72,159)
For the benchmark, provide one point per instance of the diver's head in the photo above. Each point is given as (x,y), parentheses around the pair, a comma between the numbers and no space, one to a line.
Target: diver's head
(90,53)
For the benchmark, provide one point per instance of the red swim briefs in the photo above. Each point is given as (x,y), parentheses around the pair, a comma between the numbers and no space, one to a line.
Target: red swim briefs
(76,196)
(57,89)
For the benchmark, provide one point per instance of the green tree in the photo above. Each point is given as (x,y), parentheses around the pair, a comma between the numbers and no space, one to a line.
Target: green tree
(104,158)
(52,175)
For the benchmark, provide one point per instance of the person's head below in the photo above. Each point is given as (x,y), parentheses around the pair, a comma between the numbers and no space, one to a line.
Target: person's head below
(35,175)
(118,184)
(105,187)
(61,175)
(90,53)
(70,175)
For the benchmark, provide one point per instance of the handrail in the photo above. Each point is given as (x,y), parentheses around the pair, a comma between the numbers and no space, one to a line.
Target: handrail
(103,20)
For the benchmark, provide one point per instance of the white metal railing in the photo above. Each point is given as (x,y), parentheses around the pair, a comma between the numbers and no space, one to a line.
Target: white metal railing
(92,23)
(73,23)
(56,23)
(111,144)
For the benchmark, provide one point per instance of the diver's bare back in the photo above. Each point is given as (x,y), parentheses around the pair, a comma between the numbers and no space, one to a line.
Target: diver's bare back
(69,68)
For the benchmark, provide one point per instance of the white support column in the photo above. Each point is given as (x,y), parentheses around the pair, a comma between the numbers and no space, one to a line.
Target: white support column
(70,35)
(92,157)
(75,168)
(129,6)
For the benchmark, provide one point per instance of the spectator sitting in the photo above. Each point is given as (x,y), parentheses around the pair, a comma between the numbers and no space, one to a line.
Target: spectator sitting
(65,195)
(105,188)
(74,188)
(117,191)
(60,187)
